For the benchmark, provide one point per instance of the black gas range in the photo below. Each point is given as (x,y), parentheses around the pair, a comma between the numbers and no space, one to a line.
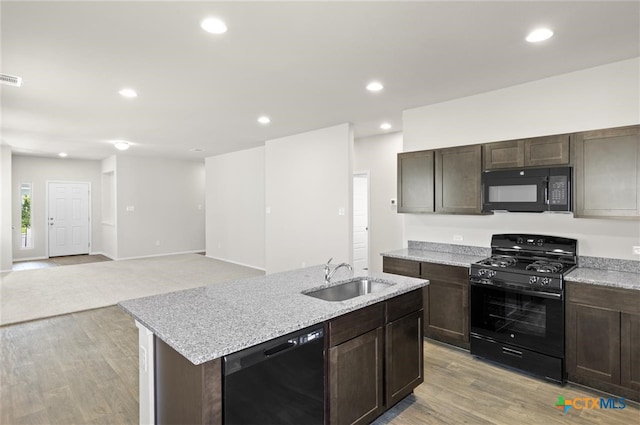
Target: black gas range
(517,302)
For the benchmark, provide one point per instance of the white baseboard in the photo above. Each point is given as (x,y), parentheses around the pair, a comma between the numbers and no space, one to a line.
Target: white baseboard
(20,260)
(235,262)
(160,255)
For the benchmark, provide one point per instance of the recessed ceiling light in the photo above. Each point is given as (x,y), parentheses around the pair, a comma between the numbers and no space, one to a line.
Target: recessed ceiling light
(264,120)
(62,155)
(121,145)
(539,34)
(213,26)
(374,86)
(385,126)
(129,93)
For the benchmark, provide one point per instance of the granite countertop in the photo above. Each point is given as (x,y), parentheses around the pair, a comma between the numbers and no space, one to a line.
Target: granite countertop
(209,322)
(448,258)
(612,278)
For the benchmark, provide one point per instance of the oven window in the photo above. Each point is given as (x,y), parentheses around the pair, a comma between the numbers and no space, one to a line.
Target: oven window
(513,193)
(516,313)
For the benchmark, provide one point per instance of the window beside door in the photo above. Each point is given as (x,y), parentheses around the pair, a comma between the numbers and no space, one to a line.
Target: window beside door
(26,216)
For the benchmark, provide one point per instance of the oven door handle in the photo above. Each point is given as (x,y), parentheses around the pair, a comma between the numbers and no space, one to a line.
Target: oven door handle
(501,285)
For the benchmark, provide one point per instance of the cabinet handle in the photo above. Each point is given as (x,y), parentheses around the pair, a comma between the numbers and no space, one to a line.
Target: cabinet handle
(511,352)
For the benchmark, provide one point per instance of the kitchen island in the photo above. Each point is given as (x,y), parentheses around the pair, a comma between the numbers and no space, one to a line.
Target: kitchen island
(197,327)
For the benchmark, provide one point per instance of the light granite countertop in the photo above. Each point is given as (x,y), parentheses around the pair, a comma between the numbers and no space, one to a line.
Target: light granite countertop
(448,258)
(209,322)
(612,278)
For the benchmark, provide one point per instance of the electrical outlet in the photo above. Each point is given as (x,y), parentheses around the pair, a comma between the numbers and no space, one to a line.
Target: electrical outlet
(458,238)
(341,211)
(636,250)
(158,242)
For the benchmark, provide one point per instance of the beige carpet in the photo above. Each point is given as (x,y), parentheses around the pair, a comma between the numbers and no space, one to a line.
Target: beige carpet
(34,294)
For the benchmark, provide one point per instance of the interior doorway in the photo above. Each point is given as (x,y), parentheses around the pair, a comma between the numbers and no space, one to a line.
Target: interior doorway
(68,218)
(361,221)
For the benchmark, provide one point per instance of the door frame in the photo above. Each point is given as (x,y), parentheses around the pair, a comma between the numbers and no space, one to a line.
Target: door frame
(46,216)
(366,174)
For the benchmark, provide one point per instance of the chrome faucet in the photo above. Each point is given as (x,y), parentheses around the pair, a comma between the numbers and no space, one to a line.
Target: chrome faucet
(328,273)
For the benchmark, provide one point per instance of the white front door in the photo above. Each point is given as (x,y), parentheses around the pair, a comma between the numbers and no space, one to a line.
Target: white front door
(361,221)
(68,219)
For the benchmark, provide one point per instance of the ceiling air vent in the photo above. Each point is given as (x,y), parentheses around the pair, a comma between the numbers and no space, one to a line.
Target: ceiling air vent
(10,80)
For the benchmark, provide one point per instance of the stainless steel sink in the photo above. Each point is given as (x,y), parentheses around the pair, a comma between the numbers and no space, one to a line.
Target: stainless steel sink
(351,289)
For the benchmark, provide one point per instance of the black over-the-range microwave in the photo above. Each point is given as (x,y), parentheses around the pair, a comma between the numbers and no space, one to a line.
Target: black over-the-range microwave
(527,190)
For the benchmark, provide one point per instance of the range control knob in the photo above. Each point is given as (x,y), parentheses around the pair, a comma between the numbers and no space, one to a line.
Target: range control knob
(546,280)
(491,273)
(482,272)
(533,279)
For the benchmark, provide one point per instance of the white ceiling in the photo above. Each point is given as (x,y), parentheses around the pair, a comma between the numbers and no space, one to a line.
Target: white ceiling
(305,64)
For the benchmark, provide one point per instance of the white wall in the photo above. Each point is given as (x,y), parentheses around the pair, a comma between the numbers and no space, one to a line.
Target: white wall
(600,97)
(235,207)
(38,171)
(168,213)
(378,156)
(108,205)
(308,181)
(6,220)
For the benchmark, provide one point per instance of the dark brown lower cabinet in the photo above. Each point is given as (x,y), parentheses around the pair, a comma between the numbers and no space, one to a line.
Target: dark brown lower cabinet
(446,298)
(403,360)
(630,351)
(603,338)
(355,379)
(375,358)
(186,393)
(447,312)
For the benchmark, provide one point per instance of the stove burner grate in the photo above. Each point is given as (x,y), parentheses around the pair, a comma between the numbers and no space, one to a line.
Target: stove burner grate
(499,261)
(542,266)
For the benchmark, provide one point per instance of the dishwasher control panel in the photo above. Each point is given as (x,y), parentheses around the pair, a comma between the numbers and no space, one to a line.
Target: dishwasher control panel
(311,336)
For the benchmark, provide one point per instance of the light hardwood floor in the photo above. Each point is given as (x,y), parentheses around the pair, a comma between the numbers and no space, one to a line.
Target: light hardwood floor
(82,368)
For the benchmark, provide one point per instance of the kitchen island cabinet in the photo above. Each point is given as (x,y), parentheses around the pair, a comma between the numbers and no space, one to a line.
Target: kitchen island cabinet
(184,336)
(602,338)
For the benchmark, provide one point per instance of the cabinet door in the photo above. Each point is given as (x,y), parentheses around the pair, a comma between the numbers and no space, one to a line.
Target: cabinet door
(415,182)
(458,185)
(508,154)
(447,312)
(401,266)
(593,343)
(607,173)
(404,357)
(549,150)
(356,380)
(630,351)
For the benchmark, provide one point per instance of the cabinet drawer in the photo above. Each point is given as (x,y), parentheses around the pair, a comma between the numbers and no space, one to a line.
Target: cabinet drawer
(623,300)
(445,273)
(401,266)
(404,304)
(356,323)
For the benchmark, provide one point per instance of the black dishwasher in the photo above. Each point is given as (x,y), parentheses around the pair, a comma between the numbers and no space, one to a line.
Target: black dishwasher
(278,382)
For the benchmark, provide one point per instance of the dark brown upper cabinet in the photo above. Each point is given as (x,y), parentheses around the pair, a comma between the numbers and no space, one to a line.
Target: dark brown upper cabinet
(457,179)
(415,182)
(538,151)
(509,154)
(607,172)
